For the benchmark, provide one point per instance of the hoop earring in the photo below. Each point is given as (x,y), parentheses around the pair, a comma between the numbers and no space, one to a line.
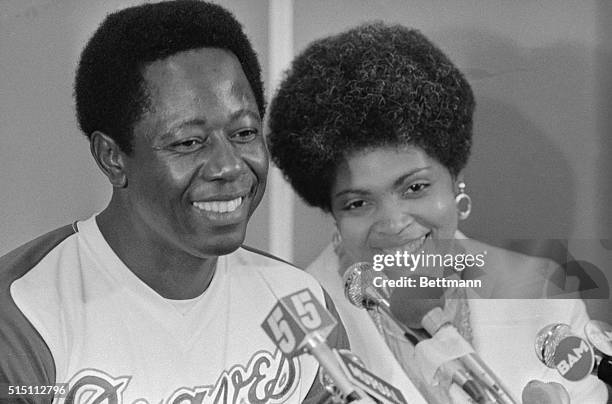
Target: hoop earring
(463,198)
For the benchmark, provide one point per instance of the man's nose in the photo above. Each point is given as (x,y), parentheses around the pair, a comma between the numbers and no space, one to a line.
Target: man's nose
(224,160)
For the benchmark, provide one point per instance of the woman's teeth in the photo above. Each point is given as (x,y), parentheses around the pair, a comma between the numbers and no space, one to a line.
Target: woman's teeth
(219,206)
(410,247)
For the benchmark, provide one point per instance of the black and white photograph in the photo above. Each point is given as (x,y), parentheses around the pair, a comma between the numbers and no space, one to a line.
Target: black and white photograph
(306,201)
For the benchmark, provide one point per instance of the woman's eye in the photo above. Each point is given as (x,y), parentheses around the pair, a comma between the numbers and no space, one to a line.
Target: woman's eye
(416,188)
(355,205)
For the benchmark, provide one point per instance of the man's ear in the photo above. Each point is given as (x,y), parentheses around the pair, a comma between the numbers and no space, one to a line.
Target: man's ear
(109,157)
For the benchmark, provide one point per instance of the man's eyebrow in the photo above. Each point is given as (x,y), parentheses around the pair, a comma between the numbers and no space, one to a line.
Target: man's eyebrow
(245,112)
(169,134)
(200,121)
(190,122)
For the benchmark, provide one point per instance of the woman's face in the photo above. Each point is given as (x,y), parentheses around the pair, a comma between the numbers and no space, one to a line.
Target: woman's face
(388,200)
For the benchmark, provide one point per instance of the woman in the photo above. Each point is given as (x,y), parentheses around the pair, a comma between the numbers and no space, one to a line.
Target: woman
(374,126)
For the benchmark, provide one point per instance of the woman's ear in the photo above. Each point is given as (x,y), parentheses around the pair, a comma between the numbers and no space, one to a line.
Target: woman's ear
(463,201)
(109,157)
(457,179)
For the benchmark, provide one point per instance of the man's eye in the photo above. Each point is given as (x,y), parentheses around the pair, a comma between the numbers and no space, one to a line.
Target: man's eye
(187,145)
(245,135)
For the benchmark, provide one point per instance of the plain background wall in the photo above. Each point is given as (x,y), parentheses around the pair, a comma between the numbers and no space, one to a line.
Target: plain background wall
(540,70)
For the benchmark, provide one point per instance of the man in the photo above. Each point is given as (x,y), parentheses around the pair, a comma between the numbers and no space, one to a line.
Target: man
(142,303)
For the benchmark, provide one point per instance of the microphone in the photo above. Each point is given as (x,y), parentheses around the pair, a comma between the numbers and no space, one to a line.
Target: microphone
(299,323)
(537,392)
(357,373)
(436,323)
(360,291)
(438,361)
(573,357)
(599,335)
(326,380)
(359,287)
(559,348)
(410,305)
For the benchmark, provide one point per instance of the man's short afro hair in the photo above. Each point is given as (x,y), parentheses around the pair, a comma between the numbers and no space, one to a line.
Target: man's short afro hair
(109,87)
(373,85)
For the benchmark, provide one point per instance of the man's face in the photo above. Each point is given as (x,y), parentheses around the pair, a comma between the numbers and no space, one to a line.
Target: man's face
(199,165)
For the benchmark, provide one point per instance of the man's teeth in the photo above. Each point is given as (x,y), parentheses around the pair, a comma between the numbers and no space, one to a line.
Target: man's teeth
(219,206)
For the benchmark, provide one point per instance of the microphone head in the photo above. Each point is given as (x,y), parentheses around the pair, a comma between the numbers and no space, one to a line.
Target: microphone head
(558,348)
(537,392)
(353,280)
(599,334)
(359,286)
(408,305)
(547,340)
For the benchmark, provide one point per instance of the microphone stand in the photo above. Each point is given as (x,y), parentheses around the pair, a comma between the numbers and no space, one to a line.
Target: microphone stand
(383,305)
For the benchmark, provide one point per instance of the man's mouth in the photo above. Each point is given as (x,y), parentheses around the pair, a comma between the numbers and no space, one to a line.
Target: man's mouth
(220,206)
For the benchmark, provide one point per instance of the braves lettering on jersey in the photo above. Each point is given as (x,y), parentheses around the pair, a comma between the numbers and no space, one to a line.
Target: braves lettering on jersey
(72,312)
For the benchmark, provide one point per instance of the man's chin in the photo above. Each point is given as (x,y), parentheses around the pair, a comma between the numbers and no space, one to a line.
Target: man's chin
(222,245)
(226,249)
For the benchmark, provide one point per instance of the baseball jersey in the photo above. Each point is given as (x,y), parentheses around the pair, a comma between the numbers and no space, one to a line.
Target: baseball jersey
(72,312)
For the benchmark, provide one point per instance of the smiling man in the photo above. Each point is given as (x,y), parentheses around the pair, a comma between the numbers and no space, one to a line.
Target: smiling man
(154,299)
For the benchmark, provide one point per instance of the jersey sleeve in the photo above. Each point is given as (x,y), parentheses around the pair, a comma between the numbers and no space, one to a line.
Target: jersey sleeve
(25,358)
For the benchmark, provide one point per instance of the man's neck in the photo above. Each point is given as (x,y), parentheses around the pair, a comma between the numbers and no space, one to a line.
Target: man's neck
(171,273)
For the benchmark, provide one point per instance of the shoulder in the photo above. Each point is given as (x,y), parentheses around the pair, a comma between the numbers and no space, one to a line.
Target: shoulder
(278,268)
(26,357)
(501,258)
(28,274)
(17,262)
(325,268)
(251,255)
(275,270)
(20,264)
(508,274)
(282,276)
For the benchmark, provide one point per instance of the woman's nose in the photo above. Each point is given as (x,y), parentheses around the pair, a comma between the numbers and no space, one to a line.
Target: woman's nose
(392,218)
